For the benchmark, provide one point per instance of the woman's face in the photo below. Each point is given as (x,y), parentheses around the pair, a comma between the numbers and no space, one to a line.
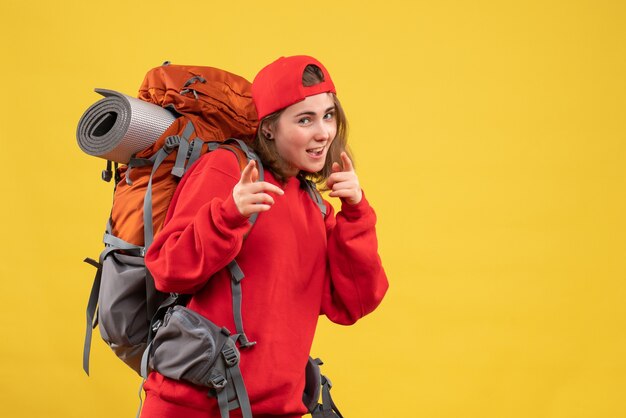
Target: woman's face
(304,132)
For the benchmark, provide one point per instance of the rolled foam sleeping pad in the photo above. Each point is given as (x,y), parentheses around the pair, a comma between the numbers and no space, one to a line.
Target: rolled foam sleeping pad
(118,126)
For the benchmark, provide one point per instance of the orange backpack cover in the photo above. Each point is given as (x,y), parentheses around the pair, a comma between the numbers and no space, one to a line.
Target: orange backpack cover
(218,104)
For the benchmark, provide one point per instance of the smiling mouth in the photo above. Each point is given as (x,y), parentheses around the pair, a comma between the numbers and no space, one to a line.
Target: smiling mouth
(316,152)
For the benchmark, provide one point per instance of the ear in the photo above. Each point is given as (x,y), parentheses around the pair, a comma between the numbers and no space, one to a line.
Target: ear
(267,131)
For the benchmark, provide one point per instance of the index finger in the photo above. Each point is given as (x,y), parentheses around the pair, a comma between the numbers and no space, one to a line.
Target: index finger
(347,162)
(247,172)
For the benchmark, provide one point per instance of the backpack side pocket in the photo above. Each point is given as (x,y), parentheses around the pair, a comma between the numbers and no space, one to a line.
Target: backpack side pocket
(126,296)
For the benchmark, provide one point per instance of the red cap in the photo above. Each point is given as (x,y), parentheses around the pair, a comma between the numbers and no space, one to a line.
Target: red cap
(279,84)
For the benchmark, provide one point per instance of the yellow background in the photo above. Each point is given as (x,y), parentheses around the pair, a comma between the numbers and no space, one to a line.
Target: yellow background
(489,135)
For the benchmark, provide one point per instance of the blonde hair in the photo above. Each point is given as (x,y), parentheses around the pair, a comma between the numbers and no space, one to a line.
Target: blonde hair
(266,149)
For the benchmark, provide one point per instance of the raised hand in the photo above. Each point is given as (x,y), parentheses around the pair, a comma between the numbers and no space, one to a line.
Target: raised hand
(251,196)
(343,182)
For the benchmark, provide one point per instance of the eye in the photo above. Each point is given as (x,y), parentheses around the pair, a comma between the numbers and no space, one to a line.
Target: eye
(304,120)
(329,115)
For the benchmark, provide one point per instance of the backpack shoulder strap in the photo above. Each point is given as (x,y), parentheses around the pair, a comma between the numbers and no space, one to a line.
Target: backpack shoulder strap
(239,153)
(316,382)
(244,154)
(315,195)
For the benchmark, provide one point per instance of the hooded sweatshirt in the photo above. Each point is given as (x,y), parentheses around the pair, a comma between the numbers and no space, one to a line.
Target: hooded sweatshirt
(298,265)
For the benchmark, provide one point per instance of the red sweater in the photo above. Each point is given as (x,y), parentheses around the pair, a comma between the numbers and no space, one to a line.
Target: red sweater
(297,264)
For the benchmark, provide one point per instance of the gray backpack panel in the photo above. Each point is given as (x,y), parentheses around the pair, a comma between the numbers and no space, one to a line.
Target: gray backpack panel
(187,346)
(126,290)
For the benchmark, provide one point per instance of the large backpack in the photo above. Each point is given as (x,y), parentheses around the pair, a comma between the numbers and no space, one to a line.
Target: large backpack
(211,107)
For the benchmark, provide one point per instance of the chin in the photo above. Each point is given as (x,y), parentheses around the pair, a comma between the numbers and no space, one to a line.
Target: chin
(313,170)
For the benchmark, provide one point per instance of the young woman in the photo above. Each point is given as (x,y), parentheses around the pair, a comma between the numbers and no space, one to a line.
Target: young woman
(298,263)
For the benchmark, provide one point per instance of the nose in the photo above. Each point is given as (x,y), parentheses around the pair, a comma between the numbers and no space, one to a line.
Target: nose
(322,132)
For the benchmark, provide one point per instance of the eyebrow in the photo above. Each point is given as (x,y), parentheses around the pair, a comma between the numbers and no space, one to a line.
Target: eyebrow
(311,113)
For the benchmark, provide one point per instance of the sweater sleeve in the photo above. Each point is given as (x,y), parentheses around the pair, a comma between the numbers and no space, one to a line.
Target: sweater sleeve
(356,281)
(203,230)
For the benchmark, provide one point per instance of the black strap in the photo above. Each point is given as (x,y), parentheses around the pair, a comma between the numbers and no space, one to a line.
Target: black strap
(235,271)
(235,285)
(195,149)
(222,402)
(151,295)
(232,385)
(107,174)
(91,312)
(328,405)
(234,374)
(183,148)
(327,409)
(138,162)
(147,201)
(315,195)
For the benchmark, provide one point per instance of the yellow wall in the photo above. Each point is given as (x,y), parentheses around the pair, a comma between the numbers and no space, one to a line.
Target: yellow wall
(489,135)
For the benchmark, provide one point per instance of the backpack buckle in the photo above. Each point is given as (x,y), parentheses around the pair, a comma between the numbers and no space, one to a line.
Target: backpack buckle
(171,142)
(230,356)
(217,381)
(157,324)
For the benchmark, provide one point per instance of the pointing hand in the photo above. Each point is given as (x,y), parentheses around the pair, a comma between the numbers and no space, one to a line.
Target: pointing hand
(343,182)
(251,196)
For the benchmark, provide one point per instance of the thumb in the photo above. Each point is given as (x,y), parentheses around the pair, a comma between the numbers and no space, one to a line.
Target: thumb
(335,167)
